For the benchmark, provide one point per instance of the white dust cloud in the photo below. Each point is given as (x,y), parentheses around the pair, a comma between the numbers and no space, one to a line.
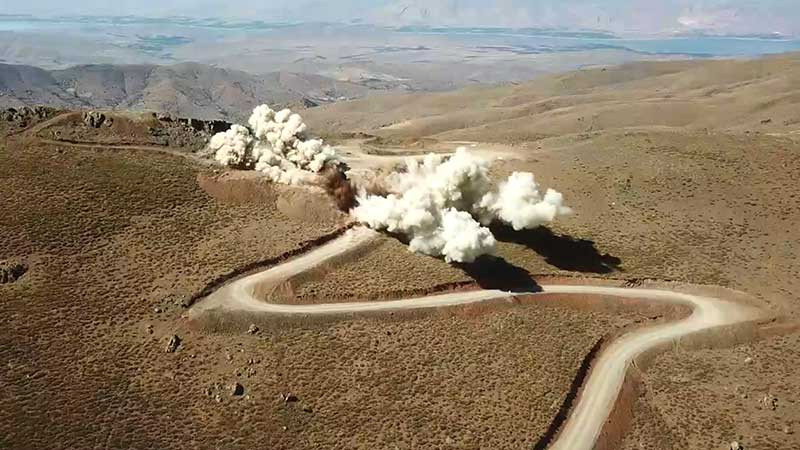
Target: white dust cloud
(274,143)
(445,205)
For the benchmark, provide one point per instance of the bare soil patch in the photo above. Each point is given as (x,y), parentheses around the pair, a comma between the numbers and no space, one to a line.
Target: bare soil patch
(128,238)
(708,398)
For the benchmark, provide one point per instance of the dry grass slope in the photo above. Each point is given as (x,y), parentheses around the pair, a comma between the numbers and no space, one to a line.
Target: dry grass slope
(655,158)
(706,398)
(118,241)
(719,95)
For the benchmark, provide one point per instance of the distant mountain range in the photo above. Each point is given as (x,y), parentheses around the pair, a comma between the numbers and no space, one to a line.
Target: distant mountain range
(187,89)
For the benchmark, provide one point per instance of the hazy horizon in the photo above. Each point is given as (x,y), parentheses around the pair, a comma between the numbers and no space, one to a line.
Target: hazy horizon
(736,17)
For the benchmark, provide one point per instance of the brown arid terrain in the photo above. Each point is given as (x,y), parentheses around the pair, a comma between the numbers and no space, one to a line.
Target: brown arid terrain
(676,171)
(186,89)
(698,399)
(118,239)
(719,95)
(708,198)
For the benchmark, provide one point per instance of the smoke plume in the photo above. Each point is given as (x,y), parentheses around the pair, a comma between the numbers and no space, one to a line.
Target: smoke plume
(274,143)
(445,205)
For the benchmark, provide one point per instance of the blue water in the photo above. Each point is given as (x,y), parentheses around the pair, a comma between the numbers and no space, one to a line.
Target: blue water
(18,25)
(708,46)
(518,41)
(697,47)
(550,41)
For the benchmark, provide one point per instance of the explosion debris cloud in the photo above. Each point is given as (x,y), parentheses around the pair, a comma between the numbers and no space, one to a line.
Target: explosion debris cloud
(445,205)
(232,145)
(274,143)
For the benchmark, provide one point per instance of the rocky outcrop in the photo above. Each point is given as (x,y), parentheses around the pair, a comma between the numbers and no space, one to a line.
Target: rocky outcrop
(11,271)
(192,134)
(237,390)
(27,115)
(205,126)
(173,344)
(94,119)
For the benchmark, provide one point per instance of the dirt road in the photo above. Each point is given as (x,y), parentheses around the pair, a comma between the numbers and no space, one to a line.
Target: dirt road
(601,389)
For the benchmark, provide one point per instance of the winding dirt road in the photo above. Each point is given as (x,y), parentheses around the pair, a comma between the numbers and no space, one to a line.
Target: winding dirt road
(600,391)
(584,425)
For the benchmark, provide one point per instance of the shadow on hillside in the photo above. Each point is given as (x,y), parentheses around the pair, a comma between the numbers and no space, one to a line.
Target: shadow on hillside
(561,251)
(566,406)
(491,272)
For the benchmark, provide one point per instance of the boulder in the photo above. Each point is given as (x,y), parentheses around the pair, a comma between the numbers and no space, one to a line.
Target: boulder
(173,344)
(11,271)
(93,119)
(769,402)
(289,398)
(237,390)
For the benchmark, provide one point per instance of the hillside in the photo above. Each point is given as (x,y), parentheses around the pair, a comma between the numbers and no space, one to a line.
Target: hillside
(187,90)
(681,171)
(679,174)
(756,95)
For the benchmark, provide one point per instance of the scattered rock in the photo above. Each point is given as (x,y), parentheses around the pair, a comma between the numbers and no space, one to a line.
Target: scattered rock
(307,409)
(237,390)
(173,344)
(787,429)
(93,119)
(206,126)
(150,328)
(736,446)
(163,117)
(253,329)
(26,113)
(766,121)
(740,391)
(633,282)
(183,301)
(11,271)
(449,441)
(769,402)
(285,428)
(288,397)
(309,103)
(748,360)
(157,310)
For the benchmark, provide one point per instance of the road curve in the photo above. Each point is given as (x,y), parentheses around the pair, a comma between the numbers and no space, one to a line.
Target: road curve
(600,391)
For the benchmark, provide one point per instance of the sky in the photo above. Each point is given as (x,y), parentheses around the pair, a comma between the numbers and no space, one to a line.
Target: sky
(634,16)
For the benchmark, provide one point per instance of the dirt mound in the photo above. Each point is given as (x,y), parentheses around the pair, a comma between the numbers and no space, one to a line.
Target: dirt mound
(119,128)
(238,188)
(307,206)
